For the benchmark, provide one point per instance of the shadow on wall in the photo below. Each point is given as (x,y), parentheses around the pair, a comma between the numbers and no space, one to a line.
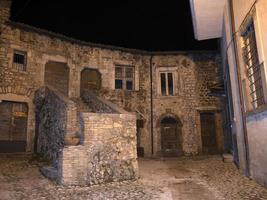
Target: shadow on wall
(90,80)
(57,76)
(51,119)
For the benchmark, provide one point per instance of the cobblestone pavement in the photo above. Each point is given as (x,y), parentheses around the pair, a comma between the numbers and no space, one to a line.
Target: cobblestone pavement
(184,178)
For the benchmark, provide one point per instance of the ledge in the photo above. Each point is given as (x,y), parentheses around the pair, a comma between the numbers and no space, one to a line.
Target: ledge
(256,111)
(208,108)
(65,38)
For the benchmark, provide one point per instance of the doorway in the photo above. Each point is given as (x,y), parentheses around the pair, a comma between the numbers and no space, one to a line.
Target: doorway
(139,126)
(57,76)
(208,133)
(90,80)
(13,126)
(170,137)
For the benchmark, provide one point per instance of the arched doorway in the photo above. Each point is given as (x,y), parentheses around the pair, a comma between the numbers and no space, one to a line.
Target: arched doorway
(90,80)
(171,132)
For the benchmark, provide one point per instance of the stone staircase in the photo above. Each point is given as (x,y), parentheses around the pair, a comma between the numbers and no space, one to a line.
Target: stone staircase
(90,102)
(97,104)
(106,151)
(81,105)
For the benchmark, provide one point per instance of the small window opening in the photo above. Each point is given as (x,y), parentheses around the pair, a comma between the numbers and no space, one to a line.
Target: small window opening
(19,60)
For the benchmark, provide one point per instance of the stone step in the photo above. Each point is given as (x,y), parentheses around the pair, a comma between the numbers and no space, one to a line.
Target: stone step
(16,155)
(81,105)
(228,158)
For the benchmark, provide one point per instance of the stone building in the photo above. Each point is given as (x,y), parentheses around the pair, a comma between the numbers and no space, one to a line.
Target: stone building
(158,103)
(242,28)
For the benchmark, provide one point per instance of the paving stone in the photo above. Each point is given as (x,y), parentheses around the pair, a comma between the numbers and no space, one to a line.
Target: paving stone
(182,178)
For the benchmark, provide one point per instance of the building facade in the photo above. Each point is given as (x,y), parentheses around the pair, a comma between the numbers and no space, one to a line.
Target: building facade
(242,26)
(168,92)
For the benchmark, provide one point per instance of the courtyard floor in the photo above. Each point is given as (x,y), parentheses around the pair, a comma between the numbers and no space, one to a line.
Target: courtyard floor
(205,177)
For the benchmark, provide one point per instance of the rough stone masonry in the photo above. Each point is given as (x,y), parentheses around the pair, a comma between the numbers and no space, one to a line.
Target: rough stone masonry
(107,155)
(155,87)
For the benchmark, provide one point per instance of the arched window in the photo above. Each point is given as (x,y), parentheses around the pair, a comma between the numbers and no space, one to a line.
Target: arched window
(90,80)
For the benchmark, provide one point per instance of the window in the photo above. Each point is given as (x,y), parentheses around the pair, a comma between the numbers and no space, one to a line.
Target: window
(166,83)
(20,60)
(253,66)
(124,77)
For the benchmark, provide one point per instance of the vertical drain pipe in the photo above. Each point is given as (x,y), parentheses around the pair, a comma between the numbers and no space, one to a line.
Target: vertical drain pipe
(233,27)
(151,106)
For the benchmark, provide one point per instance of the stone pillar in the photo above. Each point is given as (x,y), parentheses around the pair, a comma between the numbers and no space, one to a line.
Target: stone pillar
(74,81)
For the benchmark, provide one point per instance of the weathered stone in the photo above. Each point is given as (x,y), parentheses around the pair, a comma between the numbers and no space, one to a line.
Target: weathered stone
(181,178)
(108,138)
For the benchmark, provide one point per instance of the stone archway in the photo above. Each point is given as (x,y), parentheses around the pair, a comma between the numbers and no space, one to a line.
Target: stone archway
(57,76)
(90,80)
(171,136)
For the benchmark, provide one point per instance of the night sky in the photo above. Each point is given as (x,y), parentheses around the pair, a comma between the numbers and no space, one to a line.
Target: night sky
(163,25)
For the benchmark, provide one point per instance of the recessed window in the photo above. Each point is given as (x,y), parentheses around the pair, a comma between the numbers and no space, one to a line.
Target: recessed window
(129,85)
(166,84)
(124,77)
(253,66)
(118,84)
(20,60)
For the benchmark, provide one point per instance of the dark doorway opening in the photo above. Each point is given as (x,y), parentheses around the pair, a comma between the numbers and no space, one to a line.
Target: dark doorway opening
(139,126)
(57,76)
(208,133)
(90,80)
(170,137)
(13,126)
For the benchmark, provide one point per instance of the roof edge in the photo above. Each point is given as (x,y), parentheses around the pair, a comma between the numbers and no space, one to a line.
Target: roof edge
(60,36)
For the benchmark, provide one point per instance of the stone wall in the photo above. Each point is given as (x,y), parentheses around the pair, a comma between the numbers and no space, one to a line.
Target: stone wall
(192,75)
(208,73)
(107,154)
(4,10)
(55,117)
(193,71)
(182,105)
(42,49)
(137,101)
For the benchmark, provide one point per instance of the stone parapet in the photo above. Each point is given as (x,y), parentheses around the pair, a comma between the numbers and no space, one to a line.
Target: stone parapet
(107,154)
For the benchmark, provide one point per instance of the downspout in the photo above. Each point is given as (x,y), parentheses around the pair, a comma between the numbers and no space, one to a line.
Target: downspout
(151,105)
(247,160)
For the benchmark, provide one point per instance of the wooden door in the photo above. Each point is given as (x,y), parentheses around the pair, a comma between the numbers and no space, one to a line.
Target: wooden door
(13,127)
(169,140)
(208,133)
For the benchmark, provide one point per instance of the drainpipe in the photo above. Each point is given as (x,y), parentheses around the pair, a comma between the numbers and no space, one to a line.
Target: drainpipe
(151,106)
(247,160)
